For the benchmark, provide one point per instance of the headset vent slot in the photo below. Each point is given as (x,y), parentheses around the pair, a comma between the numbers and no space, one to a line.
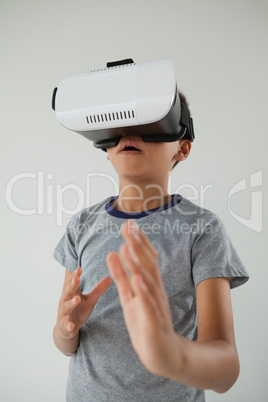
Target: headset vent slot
(112,116)
(112,68)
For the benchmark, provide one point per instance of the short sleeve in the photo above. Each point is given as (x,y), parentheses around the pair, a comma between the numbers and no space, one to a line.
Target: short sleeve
(213,255)
(65,252)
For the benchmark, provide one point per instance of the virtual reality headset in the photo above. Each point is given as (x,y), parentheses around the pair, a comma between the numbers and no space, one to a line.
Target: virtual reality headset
(125,98)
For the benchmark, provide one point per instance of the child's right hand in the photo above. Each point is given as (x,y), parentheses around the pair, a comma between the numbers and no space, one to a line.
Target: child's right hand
(74,307)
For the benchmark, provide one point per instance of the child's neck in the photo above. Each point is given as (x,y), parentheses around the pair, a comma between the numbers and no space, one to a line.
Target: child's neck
(137,198)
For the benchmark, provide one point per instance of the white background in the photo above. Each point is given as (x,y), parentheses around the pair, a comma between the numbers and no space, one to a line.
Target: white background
(219,52)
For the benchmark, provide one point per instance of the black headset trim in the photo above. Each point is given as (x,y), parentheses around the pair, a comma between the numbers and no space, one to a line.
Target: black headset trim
(186,132)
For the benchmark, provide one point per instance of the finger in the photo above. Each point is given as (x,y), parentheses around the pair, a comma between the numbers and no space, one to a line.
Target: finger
(66,324)
(149,304)
(132,261)
(130,229)
(146,242)
(70,326)
(101,287)
(120,276)
(71,287)
(156,289)
(134,235)
(143,249)
(156,309)
(128,255)
(68,278)
(68,306)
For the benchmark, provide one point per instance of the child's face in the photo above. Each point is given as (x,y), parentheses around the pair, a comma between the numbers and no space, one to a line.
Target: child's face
(150,162)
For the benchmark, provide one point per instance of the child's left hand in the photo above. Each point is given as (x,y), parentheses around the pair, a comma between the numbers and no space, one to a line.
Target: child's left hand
(144,301)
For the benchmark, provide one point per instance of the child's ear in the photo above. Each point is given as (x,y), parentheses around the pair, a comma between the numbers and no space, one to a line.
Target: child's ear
(184,149)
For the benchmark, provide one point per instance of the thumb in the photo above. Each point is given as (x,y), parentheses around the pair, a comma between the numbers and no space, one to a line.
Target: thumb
(101,287)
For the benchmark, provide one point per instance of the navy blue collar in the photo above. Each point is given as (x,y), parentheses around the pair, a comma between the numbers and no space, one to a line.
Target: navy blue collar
(176,198)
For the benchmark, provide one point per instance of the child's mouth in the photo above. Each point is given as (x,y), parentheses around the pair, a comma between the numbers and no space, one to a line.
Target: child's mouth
(131,148)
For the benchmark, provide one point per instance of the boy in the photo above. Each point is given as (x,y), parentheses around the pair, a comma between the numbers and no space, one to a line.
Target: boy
(162,330)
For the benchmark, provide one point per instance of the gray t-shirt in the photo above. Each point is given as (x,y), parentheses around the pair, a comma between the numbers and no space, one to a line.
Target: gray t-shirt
(192,246)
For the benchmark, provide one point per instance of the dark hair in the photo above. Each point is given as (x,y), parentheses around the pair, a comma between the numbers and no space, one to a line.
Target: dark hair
(185,101)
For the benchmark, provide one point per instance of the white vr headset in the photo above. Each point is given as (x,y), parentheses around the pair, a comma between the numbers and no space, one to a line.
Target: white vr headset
(126,98)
